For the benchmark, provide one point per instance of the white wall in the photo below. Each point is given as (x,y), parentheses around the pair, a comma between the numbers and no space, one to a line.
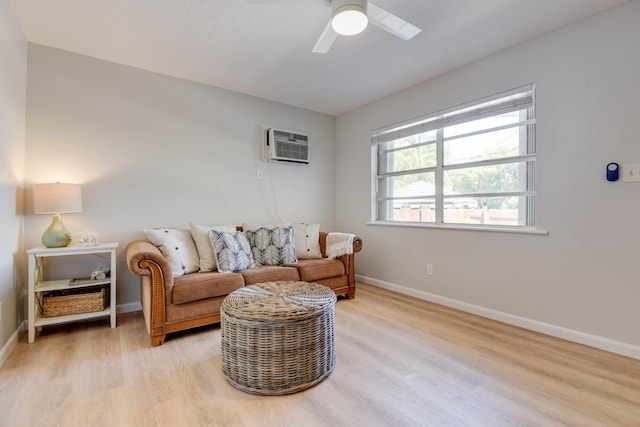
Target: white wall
(584,275)
(152,150)
(156,151)
(13,77)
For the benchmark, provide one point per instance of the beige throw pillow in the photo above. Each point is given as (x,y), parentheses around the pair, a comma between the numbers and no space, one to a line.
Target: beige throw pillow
(307,241)
(206,254)
(177,246)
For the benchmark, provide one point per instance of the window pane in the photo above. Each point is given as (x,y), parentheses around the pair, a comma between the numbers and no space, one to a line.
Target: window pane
(489,211)
(485,123)
(413,198)
(502,178)
(411,186)
(404,155)
(417,211)
(485,146)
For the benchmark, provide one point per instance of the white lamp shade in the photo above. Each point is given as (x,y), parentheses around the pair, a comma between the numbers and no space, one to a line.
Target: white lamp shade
(351,18)
(56,198)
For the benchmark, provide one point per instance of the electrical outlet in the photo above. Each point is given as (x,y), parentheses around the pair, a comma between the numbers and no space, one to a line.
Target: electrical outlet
(631,172)
(429,269)
(260,174)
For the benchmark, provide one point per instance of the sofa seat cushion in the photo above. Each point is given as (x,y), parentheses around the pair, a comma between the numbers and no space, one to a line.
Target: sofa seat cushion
(198,286)
(269,273)
(317,269)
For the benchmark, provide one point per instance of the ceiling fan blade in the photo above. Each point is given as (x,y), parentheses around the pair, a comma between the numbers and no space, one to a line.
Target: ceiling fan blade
(391,23)
(326,39)
(287,2)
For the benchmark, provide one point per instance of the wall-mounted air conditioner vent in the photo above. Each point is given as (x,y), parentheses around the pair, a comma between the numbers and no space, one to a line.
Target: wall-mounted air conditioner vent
(285,146)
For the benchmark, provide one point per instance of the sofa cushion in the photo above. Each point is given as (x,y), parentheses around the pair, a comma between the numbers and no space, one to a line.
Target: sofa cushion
(177,245)
(307,240)
(272,245)
(206,254)
(232,251)
(197,286)
(269,273)
(316,269)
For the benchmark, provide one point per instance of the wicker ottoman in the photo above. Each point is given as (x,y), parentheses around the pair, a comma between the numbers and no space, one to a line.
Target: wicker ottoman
(277,337)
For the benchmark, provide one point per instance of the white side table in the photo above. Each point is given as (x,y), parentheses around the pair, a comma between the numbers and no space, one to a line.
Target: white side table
(37,285)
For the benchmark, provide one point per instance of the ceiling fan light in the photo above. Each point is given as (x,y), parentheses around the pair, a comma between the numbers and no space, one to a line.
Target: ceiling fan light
(349,20)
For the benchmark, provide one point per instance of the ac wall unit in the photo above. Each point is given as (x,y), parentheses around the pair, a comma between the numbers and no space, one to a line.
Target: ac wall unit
(285,146)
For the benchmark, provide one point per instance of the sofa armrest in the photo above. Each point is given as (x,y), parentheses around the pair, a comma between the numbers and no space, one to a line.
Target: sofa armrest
(347,260)
(357,243)
(141,250)
(145,259)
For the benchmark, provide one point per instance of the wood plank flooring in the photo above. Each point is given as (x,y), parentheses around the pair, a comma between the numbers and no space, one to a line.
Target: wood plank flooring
(400,362)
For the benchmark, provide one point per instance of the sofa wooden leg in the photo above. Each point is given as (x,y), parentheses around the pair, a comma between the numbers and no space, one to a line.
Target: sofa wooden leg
(352,293)
(157,340)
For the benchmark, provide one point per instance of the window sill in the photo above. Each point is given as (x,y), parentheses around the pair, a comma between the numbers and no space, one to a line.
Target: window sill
(499,229)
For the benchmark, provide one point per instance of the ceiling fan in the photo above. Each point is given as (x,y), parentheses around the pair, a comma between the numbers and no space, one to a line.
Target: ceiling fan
(350,17)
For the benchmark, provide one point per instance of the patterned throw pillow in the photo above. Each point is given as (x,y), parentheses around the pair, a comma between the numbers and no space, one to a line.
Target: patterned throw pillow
(200,234)
(177,246)
(272,245)
(232,251)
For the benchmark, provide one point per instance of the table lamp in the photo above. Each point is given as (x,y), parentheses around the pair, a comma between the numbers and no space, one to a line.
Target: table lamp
(56,198)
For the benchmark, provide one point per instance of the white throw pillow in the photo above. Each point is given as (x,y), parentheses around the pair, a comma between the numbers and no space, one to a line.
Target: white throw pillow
(307,241)
(177,246)
(206,254)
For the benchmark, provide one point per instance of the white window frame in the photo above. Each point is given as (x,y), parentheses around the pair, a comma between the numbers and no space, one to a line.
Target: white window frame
(522,98)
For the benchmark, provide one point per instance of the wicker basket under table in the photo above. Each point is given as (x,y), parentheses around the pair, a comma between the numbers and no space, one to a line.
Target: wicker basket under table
(278,337)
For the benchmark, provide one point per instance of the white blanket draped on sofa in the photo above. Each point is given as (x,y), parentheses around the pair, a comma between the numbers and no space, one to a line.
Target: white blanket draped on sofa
(339,244)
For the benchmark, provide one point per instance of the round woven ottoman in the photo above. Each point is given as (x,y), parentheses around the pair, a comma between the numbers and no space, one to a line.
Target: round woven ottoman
(278,337)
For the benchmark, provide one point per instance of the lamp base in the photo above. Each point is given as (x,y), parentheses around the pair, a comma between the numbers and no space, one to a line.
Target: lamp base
(57,235)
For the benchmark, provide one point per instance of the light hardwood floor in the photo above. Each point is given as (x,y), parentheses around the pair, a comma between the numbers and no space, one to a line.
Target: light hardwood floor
(400,362)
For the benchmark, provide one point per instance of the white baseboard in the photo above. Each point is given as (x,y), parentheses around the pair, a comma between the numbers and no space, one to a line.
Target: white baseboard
(129,307)
(602,343)
(11,343)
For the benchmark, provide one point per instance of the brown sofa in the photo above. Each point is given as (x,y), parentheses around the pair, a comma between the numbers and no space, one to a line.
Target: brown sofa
(171,304)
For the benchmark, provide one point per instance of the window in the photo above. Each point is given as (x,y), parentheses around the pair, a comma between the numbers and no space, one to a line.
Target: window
(472,165)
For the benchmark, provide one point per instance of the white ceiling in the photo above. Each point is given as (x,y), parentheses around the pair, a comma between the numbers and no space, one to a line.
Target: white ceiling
(263,47)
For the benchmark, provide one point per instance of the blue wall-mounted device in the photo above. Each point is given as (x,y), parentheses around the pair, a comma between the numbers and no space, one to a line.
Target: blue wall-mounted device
(612,171)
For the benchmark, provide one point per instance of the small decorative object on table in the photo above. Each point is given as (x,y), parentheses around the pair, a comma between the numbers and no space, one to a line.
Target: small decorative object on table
(86,238)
